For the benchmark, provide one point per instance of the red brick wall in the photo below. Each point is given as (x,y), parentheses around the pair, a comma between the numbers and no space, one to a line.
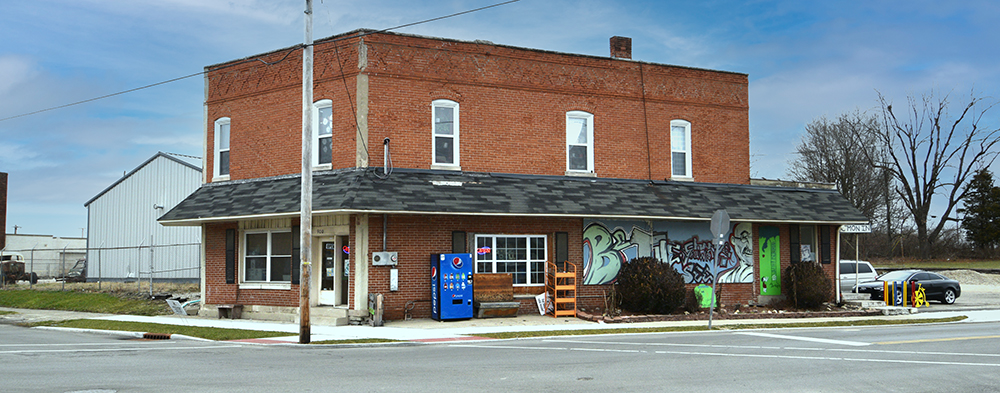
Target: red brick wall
(513,104)
(216,289)
(416,237)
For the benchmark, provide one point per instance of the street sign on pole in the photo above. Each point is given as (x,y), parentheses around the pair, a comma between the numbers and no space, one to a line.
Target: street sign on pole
(720,228)
(856,228)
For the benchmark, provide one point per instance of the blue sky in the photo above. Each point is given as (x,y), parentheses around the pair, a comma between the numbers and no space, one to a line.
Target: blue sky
(805,59)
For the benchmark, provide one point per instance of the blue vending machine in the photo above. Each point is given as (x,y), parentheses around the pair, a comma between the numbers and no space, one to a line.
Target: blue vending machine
(451,286)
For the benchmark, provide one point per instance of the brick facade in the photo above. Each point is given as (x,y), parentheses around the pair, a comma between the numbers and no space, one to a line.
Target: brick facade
(512,107)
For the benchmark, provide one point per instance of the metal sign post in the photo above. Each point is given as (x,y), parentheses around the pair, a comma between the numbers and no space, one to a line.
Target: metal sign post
(856,229)
(720,227)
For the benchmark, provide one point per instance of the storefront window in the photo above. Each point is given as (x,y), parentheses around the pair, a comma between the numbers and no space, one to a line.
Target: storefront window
(521,256)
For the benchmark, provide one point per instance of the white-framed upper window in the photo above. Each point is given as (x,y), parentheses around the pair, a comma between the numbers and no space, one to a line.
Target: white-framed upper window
(523,256)
(322,146)
(444,115)
(221,167)
(680,148)
(267,256)
(579,142)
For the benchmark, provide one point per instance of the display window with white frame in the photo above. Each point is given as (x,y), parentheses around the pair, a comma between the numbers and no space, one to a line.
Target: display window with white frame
(523,256)
(267,256)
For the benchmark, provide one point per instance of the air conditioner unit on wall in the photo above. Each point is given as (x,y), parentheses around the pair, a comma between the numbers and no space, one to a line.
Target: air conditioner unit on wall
(384,258)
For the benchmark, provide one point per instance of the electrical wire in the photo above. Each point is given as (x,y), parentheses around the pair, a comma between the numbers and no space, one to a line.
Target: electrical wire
(289,51)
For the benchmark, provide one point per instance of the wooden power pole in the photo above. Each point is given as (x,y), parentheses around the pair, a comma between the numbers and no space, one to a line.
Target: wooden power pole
(305,213)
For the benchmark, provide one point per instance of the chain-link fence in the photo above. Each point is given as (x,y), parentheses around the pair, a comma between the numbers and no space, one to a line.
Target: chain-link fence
(141,263)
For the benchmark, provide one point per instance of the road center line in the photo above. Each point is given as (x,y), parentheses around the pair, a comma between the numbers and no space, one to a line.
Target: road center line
(810,339)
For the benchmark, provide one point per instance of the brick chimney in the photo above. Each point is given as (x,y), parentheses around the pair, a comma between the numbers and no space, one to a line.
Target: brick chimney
(621,47)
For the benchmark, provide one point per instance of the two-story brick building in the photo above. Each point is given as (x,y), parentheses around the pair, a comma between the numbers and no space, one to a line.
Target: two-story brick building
(524,155)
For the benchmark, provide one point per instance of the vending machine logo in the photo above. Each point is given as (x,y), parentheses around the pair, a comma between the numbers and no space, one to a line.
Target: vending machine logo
(434,272)
(457,263)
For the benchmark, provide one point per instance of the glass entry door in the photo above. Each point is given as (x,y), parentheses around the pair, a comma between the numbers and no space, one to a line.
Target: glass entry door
(335,259)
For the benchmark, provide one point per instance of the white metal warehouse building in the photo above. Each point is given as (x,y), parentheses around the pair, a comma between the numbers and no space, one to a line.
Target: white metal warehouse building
(124,241)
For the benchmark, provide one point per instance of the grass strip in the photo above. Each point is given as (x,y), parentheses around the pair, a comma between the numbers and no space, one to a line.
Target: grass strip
(81,301)
(218,334)
(583,332)
(357,341)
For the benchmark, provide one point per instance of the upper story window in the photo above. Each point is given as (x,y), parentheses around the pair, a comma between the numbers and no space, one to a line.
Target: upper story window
(579,142)
(446,127)
(221,170)
(680,148)
(322,146)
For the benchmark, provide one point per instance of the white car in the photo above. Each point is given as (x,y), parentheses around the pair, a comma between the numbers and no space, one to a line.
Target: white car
(855,272)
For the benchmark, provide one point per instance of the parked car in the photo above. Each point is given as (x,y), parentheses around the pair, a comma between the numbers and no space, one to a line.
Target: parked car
(936,286)
(855,272)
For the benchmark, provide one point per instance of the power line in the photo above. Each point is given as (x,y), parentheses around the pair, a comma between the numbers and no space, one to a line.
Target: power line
(252,60)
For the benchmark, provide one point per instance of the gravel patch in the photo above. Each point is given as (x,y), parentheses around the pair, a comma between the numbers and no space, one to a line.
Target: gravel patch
(972,277)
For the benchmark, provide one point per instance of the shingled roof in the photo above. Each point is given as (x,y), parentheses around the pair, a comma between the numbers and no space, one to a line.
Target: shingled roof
(412,191)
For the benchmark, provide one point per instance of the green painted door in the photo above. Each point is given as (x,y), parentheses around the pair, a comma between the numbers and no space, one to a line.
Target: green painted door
(770,261)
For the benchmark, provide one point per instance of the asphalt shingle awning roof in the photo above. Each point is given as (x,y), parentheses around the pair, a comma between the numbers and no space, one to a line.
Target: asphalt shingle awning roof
(411,191)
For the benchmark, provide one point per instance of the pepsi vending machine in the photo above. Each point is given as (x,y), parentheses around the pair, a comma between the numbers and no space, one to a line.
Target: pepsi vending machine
(451,286)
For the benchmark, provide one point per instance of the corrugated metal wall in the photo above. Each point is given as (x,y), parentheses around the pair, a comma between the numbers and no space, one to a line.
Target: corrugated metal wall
(123,219)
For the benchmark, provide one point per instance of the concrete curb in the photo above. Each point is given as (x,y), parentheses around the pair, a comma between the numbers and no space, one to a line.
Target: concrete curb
(121,333)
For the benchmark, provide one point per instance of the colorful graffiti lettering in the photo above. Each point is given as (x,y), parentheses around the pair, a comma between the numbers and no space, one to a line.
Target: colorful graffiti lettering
(605,250)
(603,254)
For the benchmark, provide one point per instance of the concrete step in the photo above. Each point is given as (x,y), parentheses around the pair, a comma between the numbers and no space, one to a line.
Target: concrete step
(893,310)
(328,316)
(866,303)
(855,296)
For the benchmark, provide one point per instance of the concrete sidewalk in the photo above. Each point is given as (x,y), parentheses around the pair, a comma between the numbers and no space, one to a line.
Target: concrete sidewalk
(431,331)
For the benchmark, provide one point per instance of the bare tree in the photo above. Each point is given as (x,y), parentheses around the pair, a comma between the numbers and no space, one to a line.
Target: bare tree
(842,152)
(934,154)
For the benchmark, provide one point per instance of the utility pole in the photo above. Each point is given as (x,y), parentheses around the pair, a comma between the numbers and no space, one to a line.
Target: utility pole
(305,214)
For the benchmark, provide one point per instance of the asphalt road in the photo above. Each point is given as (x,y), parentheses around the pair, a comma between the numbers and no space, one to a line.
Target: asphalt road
(961,357)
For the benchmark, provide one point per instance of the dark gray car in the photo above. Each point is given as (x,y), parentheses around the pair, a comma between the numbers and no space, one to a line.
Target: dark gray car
(936,286)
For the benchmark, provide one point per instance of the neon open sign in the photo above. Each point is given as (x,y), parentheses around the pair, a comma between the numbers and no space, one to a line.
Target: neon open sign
(483,250)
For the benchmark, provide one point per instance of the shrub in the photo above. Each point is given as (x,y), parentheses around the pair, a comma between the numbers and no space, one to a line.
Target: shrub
(807,285)
(646,285)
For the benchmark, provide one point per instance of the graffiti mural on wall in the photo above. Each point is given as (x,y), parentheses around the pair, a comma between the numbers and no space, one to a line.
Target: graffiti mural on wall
(687,247)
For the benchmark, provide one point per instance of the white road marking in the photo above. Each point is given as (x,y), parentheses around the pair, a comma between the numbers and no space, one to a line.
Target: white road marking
(160,342)
(810,339)
(546,348)
(775,348)
(823,358)
(831,358)
(134,349)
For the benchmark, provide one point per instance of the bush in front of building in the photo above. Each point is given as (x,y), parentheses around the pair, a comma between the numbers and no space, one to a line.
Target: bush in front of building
(808,285)
(646,285)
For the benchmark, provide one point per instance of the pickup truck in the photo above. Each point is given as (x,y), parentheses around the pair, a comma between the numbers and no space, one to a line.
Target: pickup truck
(12,269)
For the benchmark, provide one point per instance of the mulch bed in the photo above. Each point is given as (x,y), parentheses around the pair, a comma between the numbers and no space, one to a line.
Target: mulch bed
(726,314)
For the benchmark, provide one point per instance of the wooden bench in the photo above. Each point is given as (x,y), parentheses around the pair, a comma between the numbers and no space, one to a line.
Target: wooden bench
(493,295)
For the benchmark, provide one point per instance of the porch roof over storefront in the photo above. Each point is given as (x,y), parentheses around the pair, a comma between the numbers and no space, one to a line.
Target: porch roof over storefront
(414,191)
